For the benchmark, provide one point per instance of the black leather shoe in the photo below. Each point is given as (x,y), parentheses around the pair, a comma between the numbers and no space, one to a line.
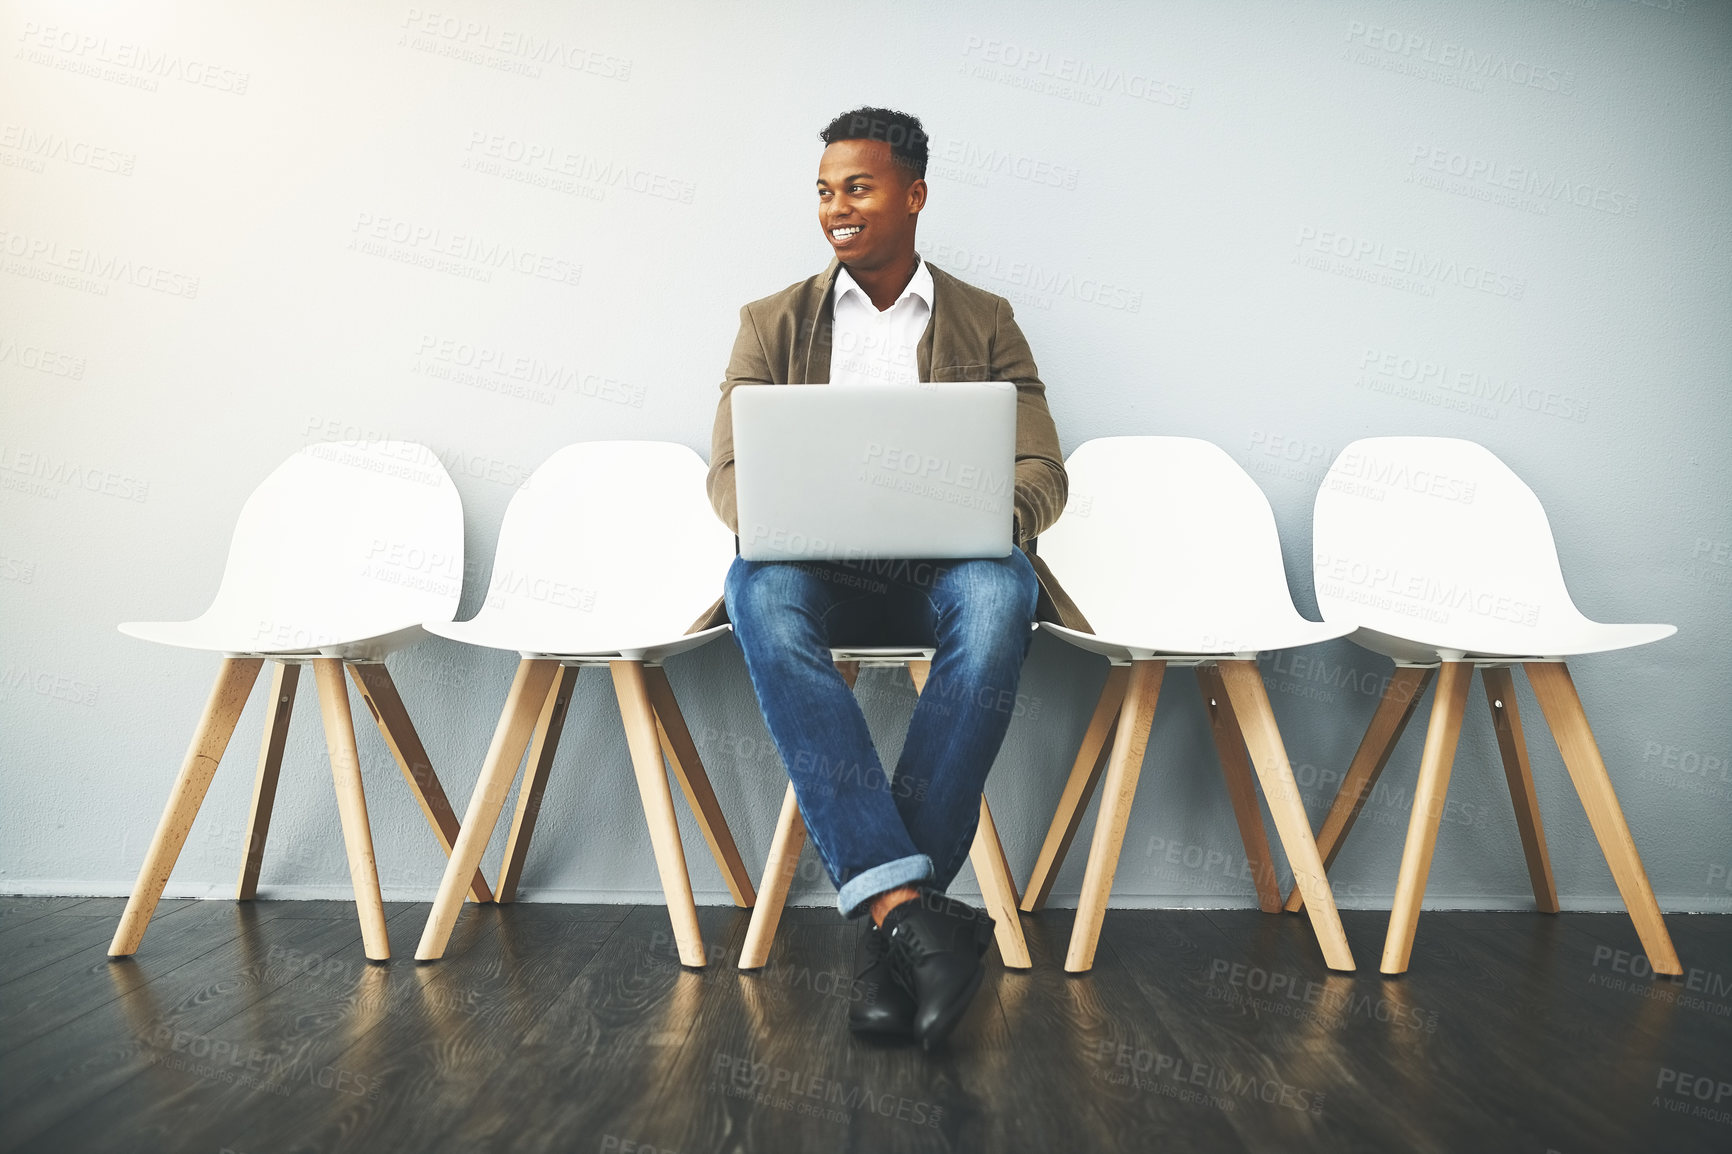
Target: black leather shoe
(877,1002)
(936,944)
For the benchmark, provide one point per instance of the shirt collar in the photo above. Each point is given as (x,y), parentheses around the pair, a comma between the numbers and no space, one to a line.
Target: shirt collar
(920,285)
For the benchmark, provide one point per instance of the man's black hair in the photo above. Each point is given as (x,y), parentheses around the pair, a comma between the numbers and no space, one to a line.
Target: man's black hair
(902,132)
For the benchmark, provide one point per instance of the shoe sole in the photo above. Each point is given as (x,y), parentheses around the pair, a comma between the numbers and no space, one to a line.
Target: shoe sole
(946,1022)
(904,1033)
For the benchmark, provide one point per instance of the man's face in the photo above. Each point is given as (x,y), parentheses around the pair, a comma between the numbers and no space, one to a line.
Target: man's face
(867,205)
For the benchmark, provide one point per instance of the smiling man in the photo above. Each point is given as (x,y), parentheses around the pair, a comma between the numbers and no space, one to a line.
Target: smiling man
(892,844)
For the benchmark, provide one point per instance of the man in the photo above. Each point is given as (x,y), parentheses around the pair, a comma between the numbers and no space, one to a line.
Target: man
(892,845)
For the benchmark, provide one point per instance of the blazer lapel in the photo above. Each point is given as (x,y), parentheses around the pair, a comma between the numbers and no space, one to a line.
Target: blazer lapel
(929,338)
(815,362)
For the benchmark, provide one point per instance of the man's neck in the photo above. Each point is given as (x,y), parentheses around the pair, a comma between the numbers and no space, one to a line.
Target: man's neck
(884,285)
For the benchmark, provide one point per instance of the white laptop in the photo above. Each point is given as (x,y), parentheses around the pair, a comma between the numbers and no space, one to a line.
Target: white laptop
(861,472)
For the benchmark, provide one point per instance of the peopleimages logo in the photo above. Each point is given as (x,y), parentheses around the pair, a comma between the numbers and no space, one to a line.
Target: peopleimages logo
(936,469)
(1041,284)
(1457,62)
(1398,266)
(472,255)
(471,40)
(539,157)
(973,161)
(1375,470)
(1334,574)
(97,55)
(1381,367)
(1492,177)
(40,146)
(1066,76)
(42,254)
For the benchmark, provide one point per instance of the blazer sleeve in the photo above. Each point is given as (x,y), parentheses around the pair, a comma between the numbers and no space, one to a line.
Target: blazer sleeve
(1041,484)
(749,364)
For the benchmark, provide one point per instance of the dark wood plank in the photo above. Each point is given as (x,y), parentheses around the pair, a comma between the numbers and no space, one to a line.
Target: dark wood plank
(447,1036)
(128,1067)
(259,1026)
(18,909)
(48,940)
(1109,1076)
(54,995)
(603,1046)
(771,1065)
(1297,1049)
(1601,1081)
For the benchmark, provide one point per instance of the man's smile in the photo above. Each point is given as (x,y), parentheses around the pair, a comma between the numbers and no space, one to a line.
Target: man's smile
(842,235)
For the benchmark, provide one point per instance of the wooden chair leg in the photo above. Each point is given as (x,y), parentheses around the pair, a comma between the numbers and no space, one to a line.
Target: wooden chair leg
(991,868)
(383,701)
(1428,801)
(284,679)
(778,876)
(658,807)
(549,725)
(1241,789)
(1130,743)
(1085,772)
(1256,719)
(998,890)
(1400,697)
(352,805)
(784,859)
(1506,720)
(1558,699)
(510,737)
(688,767)
(228,697)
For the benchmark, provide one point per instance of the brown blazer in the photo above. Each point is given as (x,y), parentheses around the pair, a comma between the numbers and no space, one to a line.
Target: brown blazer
(971,336)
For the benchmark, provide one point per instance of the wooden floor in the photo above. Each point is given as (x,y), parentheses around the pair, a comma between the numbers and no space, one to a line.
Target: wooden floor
(258,1027)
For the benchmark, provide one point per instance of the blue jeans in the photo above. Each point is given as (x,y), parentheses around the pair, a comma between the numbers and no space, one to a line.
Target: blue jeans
(876,832)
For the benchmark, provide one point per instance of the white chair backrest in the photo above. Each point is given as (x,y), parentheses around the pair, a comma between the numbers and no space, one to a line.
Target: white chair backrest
(344,540)
(609,539)
(1169,530)
(1435,537)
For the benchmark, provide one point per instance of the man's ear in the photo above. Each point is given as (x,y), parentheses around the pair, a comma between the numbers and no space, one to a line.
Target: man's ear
(916,197)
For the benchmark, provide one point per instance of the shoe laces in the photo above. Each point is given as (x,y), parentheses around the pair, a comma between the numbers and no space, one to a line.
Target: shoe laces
(903,960)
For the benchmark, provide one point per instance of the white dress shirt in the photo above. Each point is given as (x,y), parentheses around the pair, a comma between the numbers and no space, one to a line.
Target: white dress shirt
(868,347)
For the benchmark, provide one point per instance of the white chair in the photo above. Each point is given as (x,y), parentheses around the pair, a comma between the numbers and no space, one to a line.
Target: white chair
(606,554)
(991,869)
(1171,552)
(337,558)
(1442,558)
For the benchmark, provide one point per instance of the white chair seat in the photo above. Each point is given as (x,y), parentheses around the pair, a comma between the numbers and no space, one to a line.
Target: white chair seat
(350,641)
(605,555)
(1171,551)
(1578,638)
(1433,548)
(599,644)
(1440,555)
(1162,642)
(343,551)
(890,655)
(337,558)
(604,552)
(1170,547)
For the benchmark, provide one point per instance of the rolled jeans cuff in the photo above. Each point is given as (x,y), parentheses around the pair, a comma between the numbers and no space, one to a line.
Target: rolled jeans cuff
(851,899)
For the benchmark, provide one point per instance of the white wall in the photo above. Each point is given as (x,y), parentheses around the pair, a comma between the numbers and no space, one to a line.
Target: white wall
(1198,210)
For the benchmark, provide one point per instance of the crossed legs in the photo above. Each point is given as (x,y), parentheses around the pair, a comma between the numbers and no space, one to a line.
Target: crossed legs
(876,832)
